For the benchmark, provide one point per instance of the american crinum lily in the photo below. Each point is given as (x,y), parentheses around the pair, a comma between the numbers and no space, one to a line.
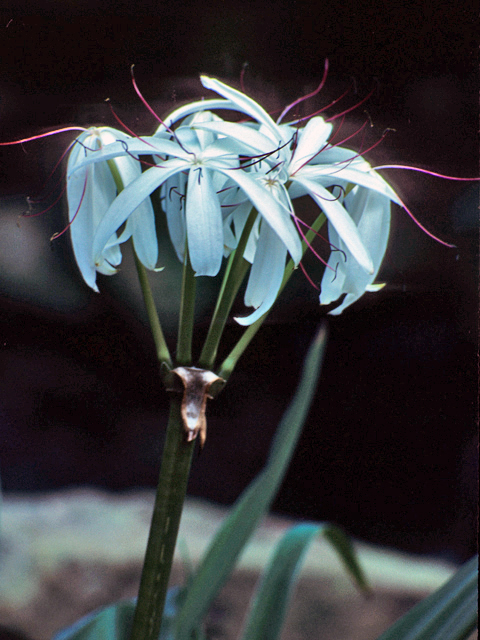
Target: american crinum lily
(213,172)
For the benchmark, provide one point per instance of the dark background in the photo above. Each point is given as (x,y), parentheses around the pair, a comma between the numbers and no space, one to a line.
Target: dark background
(389,449)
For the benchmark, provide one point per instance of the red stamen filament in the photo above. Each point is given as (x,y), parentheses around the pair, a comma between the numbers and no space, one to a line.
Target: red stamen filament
(297,222)
(42,135)
(315,113)
(306,97)
(34,215)
(60,233)
(355,106)
(430,173)
(424,229)
(308,277)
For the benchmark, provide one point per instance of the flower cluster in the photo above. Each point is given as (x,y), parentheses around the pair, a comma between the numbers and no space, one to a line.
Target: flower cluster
(212,174)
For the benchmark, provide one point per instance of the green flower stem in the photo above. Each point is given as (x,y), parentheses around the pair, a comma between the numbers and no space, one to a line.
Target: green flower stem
(163,354)
(187,311)
(171,490)
(228,365)
(234,274)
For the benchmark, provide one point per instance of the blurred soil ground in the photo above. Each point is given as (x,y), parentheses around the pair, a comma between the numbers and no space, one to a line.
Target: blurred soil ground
(66,553)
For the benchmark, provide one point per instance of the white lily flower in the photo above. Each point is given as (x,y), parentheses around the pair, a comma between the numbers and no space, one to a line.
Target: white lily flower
(189,157)
(304,159)
(90,192)
(304,162)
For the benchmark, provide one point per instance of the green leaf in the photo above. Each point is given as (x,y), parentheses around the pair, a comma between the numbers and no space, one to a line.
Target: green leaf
(255,501)
(115,621)
(450,613)
(111,623)
(271,600)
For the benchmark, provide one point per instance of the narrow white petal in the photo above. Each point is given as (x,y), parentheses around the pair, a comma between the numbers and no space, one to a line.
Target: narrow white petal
(89,194)
(135,147)
(336,155)
(266,274)
(193,107)
(373,212)
(144,234)
(130,198)
(370,180)
(82,227)
(269,208)
(174,193)
(341,220)
(141,223)
(362,175)
(269,255)
(242,133)
(242,103)
(204,223)
(312,138)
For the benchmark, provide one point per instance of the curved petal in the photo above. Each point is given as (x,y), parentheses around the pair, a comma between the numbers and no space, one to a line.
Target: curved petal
(341,220)
(242,103)
(174,192)
(204,223)
(266,274)
(141,223)
(364,176)
(311,139)
(269,208)
(132,147)
(144,234)
(246,135)
(193,107)
(89,194)
(130,198)
(373,213)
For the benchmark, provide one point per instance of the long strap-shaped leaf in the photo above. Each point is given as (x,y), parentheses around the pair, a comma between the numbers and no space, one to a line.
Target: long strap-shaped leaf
(109,623)
(271,600)
(450,613)
(115,621)
(255,501)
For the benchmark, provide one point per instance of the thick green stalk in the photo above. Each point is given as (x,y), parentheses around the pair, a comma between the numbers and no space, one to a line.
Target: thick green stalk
(236,270)
(171,490)
(227,366)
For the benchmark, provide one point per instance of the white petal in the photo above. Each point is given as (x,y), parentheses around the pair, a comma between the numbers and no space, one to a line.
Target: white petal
(174,192)
(272,210)
(193,107)
(204,223)
(266,274)
(130,198)
(364,176)
(248,136)
(312,139)
(242,103)
(336,155)
(373,212)
(134,146)
(96,186)
(141,223)
(144,234)
(341,220)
